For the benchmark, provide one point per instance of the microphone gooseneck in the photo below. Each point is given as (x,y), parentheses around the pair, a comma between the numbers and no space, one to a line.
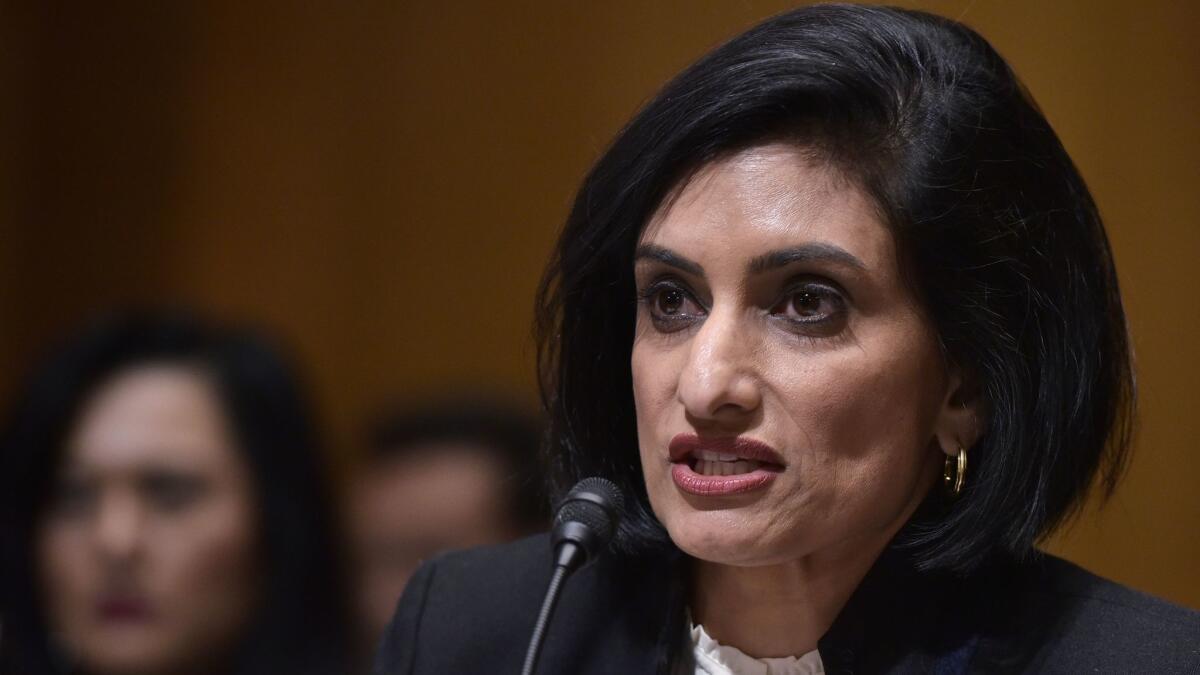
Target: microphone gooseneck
(584,524)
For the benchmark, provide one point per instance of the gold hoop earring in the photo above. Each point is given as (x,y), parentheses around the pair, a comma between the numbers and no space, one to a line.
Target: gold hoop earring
(954,472)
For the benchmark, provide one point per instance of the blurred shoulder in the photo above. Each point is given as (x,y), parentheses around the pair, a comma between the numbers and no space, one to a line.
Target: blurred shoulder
(525,561)
(473,612)
(485,595)
(1071,620)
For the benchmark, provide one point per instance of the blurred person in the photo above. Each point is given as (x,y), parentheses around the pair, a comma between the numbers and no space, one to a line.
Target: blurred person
(165,510)
(451,473)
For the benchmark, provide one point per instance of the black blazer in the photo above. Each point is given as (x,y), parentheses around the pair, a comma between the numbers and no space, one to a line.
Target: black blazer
(472,612)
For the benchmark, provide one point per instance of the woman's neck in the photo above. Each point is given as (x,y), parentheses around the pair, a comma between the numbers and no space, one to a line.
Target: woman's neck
(776,610)
(205,666)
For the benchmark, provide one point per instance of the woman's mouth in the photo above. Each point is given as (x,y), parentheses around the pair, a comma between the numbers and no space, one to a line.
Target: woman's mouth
(123,609)
(722,466)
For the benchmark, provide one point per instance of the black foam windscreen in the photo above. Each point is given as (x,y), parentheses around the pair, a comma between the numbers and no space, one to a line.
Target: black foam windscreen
(590,514)
(595,503)
(603,487)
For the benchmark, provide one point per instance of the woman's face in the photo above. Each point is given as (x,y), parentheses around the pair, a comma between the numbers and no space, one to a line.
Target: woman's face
(146,552)
(791,397)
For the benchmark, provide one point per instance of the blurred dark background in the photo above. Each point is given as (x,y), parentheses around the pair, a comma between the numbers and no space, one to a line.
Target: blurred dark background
(380,182)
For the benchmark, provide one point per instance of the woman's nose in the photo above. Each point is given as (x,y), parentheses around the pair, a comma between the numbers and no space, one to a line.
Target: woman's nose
(720,379)
(118,526)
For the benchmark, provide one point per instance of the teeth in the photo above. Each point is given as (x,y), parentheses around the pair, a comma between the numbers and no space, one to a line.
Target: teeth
(712,456)
(719,468)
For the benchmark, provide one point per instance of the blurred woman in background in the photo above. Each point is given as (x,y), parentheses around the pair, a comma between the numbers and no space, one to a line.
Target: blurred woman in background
(164,510)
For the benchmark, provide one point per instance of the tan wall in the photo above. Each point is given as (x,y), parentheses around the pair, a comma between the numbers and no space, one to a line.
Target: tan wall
(382,184)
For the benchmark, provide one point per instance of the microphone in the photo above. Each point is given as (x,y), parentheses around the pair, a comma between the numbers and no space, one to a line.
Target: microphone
(584,524)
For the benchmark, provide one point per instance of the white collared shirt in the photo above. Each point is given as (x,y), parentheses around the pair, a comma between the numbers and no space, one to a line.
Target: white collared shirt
(713,658)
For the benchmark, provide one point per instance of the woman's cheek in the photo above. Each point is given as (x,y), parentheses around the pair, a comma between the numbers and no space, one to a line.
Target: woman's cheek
(212,573)
(69,575)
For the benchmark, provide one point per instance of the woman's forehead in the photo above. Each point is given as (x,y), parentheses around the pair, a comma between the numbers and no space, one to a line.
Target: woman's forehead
(769,197)
(153,413)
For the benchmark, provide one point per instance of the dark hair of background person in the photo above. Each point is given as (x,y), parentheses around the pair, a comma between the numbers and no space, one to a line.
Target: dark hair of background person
(510,434)
(302,624)
(996,232)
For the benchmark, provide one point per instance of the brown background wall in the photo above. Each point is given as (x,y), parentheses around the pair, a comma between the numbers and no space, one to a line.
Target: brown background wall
(381,183)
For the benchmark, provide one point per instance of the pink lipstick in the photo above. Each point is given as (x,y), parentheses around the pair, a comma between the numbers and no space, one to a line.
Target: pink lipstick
(722,466)
(123,609)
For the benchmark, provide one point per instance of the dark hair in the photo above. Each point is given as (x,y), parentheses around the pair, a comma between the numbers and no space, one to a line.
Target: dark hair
(997,232)
(302,624)
(508,433)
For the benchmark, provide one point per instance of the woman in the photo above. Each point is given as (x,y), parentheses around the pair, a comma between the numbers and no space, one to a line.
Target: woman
(164,511)
(838,314)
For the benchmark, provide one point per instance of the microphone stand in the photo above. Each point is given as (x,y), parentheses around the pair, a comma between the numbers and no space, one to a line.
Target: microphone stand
(567,558)
(539,629)
(586,521)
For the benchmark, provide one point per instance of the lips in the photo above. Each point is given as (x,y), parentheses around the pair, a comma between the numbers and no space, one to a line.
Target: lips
(722,466)
(123,609)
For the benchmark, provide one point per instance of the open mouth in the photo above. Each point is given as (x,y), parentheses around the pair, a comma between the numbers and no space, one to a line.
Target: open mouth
(722,466)
(712,463)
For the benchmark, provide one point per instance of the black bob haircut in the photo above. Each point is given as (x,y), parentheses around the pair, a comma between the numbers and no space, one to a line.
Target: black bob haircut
(302,625)
(997,235)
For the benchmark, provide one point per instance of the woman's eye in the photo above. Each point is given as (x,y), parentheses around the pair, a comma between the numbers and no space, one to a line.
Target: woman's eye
(74,498)
(806,304)
(810,305)
(670,301)
(671,306)
(171,492)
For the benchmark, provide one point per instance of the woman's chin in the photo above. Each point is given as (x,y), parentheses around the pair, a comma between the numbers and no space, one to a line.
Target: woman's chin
(712,540)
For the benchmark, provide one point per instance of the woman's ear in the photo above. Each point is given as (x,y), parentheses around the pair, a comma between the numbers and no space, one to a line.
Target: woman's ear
(960,421)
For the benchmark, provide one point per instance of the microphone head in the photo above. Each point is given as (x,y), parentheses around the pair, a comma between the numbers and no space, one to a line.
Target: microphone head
(588,516)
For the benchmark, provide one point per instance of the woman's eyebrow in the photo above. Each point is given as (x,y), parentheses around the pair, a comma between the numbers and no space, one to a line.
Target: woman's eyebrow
(805,253)
(667,257)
